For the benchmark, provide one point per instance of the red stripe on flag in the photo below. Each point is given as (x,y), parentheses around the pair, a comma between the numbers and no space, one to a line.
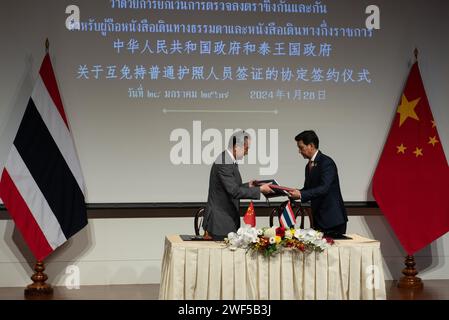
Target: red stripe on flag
(49,79)
(23,218)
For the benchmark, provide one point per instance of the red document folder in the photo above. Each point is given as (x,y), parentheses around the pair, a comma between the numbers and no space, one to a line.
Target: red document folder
(279,191)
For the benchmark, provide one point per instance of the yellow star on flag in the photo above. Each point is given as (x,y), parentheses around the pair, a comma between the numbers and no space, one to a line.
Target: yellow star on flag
(418,152)
(401,148)
(433,140)
(433,124)
(407,109)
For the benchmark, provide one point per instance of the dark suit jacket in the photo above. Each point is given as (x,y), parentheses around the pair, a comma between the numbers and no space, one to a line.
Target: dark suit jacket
(222,215)
(322,188)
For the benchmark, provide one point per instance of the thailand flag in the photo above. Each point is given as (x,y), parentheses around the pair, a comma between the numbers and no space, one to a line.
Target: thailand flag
(41,185)
(287,217)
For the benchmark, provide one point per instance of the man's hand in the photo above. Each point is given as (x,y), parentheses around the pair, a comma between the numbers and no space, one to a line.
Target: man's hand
(265,188)
(207,236)
(295,194)
(251,183)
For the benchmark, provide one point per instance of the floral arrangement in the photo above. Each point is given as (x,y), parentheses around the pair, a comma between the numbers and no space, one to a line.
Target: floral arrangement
(273,240)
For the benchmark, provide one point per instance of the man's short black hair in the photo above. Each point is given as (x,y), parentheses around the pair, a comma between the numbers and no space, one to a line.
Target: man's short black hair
(308,137)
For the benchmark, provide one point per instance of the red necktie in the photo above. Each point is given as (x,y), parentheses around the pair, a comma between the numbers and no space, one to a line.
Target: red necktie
(310,165)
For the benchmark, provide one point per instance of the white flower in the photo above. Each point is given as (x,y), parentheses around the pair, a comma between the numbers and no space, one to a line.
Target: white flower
(243,237)
(241,230)
(246,236)
(321,243)
(317,242)
(270,232)
(234,240)
(308,235)
(232,235)
(319,234)
(311,234)
(300,234)
(250,235)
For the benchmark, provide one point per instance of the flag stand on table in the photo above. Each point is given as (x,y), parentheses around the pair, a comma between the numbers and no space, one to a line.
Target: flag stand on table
(287,218)
(250,216)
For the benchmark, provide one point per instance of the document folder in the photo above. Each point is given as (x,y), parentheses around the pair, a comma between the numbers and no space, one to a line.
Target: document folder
(279,191)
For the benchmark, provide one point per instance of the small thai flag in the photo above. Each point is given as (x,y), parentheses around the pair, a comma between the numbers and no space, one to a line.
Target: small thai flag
(287,218)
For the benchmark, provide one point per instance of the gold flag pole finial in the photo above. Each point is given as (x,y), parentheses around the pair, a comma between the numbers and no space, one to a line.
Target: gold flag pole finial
(47,45)
(416,53)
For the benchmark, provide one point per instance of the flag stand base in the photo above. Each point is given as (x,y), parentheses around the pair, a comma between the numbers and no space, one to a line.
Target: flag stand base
(39,289)
(410,280)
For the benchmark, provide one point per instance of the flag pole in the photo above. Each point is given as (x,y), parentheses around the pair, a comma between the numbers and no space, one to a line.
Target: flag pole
(410,280)
(39,289)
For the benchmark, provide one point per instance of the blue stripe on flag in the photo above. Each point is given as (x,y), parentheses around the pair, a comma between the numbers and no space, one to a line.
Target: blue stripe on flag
(288,216)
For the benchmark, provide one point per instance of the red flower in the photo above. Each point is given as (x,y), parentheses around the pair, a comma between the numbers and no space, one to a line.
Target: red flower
(280,231)
(300,246)
(329,240)
(290,244)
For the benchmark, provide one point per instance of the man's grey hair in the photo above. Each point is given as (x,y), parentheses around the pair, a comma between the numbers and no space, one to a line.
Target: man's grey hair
(238,139)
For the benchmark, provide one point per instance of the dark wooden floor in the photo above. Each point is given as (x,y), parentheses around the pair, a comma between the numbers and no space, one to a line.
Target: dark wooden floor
(433,290)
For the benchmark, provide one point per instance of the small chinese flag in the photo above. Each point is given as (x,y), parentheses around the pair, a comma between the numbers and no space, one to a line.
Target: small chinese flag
(250,215)
(411,181)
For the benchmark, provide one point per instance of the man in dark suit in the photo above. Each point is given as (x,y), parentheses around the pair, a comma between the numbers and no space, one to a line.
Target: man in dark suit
(222,215)
(321,187)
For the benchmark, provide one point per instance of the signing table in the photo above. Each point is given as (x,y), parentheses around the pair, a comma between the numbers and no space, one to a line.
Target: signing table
(349,269)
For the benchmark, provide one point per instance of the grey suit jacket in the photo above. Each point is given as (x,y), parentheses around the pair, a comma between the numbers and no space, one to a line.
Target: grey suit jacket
(221,215)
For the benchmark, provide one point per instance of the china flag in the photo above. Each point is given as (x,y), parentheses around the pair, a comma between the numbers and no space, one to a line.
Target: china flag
(250,215)
(411,181)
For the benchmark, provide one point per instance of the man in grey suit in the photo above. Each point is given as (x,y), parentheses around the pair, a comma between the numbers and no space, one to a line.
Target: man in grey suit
(221,215)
